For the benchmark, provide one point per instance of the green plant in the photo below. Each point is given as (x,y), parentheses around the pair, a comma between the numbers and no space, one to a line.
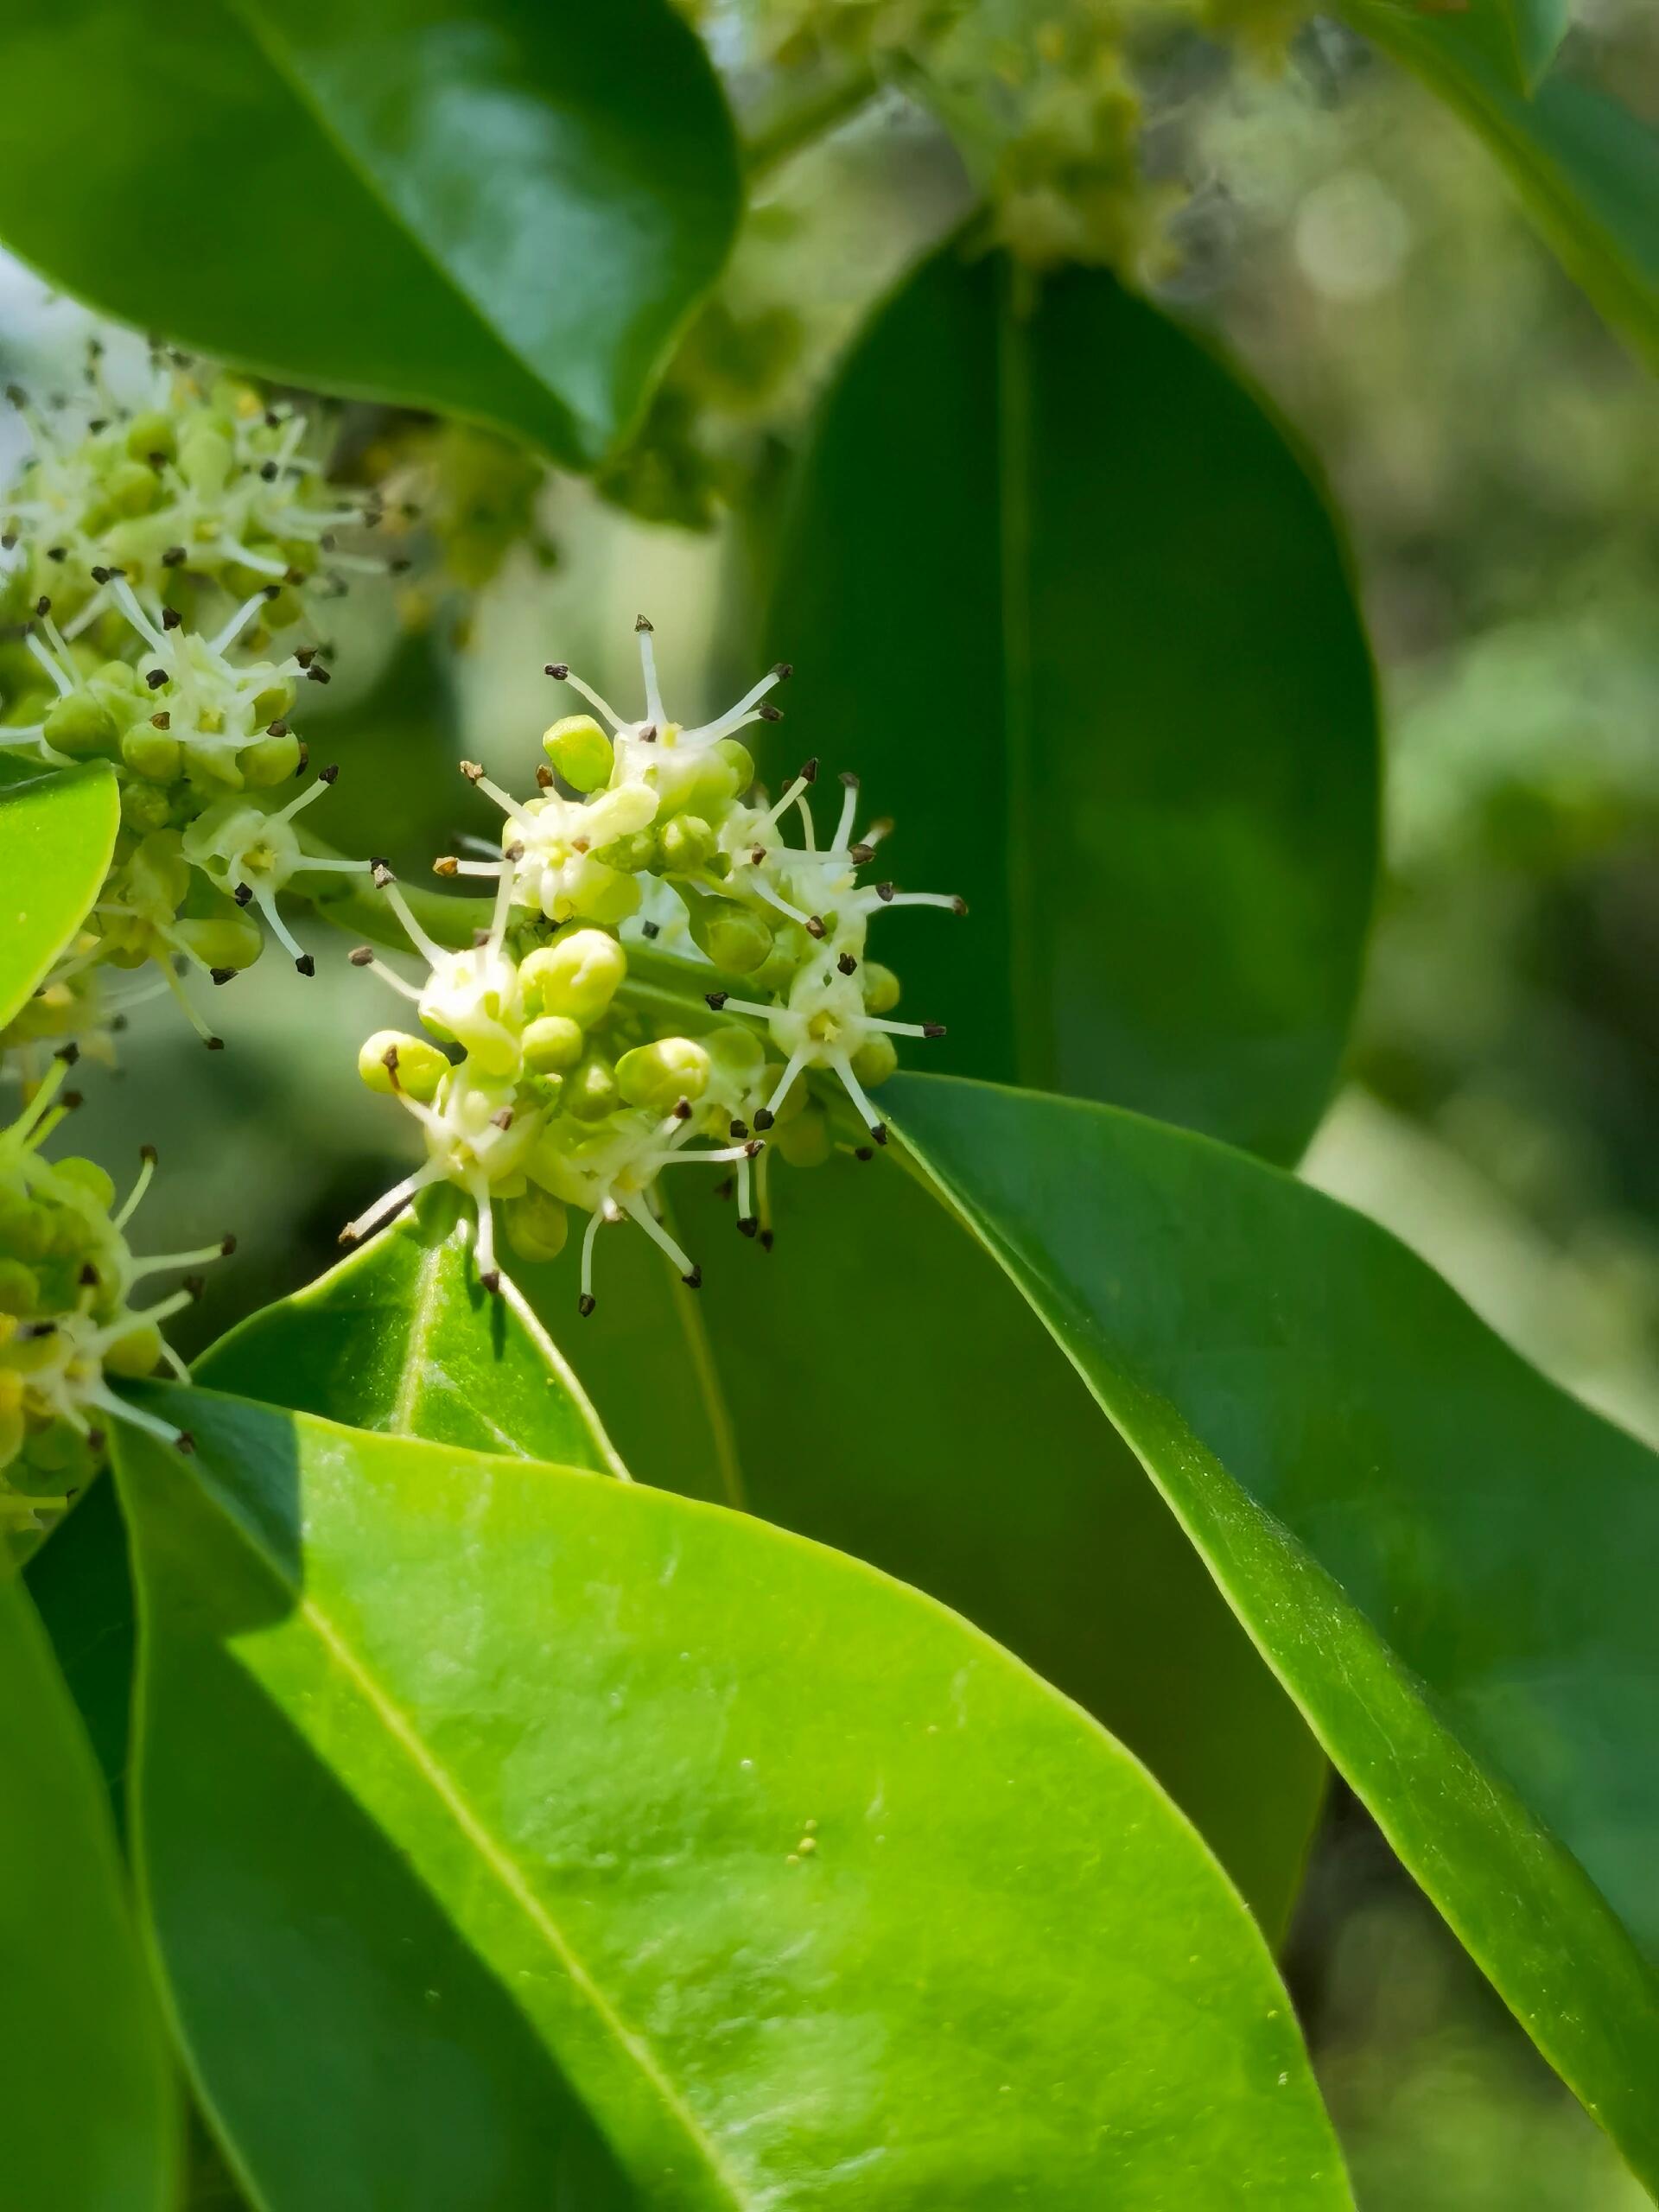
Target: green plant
(831,1724)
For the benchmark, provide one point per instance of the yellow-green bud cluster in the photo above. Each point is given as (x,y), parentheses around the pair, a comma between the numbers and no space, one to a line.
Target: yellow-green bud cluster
(539,1084)
(147,612)
(196,487)
(68,1322)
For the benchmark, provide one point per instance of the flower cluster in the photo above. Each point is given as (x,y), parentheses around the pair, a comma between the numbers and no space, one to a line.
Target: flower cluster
(159,564)
(67,1321)
(542,1082)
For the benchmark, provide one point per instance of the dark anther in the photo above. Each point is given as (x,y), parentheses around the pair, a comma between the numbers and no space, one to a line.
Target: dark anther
(814,926)
(715,999)
(268,471)
(585,1304)
(651,929)
(214,1043)
(558,670)
(764,1117)
(958,906)
(694,1280)
(381,875)
(738,1130)
(490,1279)
(100,575)
(196,1285)
(222,975)
(640,623)
(306,965)
(543,778)
(68,1053)
(161,720)
(682,1109)
(174,557)
(503,1119)
(860,854)
(783,670)
(330,774)
(810,771)
(769,714)
(88,1276)
(847,965)
(747,1224)
(228,1245)
(242,894)
(184,1442)
(879,1131)
(149,1155)
(42,607)
(70,1100)
(155,678)
(862,1152)
(360,954)
(171,618)
(932,1029)
(884,891)
(318,674)
(766,1240)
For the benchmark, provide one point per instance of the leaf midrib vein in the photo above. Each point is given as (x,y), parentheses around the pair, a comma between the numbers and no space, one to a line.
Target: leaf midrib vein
(498,1862)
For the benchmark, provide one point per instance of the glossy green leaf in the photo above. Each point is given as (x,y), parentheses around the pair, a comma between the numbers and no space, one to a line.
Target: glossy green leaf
(402,1337)
(86,2084)
(503,211)
(399,1337)
(879,1377)
(1062,587)
(515,1837)
(1586,168)
(56,835)
(1519,38)
(1448,1561)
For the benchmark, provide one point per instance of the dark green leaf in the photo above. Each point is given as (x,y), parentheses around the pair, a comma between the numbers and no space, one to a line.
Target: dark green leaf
(90,2118)
(890,1393)
(503,211)
(1519,38)
(56,835)
(1063,586)
(514,1837)
(1586,168)
(1448,1561)
(402,1337)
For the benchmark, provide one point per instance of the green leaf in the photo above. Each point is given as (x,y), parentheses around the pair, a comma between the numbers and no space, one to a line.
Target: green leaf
(672,1861)
(402,1337)
(881,1378)
(90,2123)
(56,835)
(1072,574)
(1519,38)
(1585,170)
(503,211)
(1447,1560)
(399,1337)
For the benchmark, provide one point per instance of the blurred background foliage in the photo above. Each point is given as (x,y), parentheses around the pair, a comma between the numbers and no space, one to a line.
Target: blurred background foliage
(1494,453)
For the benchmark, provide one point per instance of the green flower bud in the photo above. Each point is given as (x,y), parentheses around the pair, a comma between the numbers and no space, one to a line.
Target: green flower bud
(205,460)
(874,1060)
(134,490)
(733,937)
(537,1225)
(87,1175)
(604,894)
(576,976)
(55,1448)
(271,760)
(136,1354)
(879,986)
(283,610)
(225,940)
(20,1288)
(420,1064)
(590,1089)
(804,1138)
(739,760)
(686,843)
(736,1058)
(276,702)
(580,752)
(25,1227)
(81,727)
(627,854)
(153,754)
(145,807)
(552,1043)
(658,1076)
(151,433)
(158,875)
